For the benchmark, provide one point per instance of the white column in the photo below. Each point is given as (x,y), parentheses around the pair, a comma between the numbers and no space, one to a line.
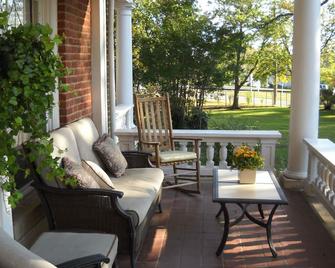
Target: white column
(6,220)
(111,73)
(99,66)
(304,118)
(124,58)
(48,15)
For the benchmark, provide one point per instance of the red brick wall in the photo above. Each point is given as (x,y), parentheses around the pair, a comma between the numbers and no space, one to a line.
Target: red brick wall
(74,23)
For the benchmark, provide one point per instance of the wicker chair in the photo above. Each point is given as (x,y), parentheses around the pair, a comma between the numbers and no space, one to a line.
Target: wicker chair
(155,135)
(60,250)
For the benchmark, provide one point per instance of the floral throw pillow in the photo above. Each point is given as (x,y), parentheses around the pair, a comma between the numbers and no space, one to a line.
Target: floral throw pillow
(76,170)
(110,154)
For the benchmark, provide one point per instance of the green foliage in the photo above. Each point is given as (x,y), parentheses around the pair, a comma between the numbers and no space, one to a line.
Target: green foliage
(174,52)
(328,67)
(245,157)
(248,35)
(327,98)
(28,72)
(197,119)
(230,122)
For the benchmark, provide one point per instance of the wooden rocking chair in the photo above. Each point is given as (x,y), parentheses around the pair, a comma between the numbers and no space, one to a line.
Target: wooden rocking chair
(154,126)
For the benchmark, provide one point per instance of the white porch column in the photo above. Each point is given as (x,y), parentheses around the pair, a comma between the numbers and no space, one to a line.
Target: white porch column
(111,58)
(99,67)
(124,59)
(6,220)
(304,118)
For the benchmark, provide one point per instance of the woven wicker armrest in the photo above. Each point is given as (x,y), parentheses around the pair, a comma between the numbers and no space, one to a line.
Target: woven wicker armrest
(84,209)
(137,159)
(84,262)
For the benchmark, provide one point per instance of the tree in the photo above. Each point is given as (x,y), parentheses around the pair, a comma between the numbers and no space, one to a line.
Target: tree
(276,59)
(173,52)
(238,35)
(248,33)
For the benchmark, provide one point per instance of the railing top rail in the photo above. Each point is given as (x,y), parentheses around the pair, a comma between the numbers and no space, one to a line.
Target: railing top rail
(323,149)
(202,133)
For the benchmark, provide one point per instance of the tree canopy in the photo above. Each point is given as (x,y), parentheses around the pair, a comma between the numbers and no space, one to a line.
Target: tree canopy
(185,53)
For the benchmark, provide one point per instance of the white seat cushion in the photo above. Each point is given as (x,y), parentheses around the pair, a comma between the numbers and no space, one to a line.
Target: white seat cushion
(59,247)
(86,134)
(174,156)
(14,255)
(140,187)
(147,179)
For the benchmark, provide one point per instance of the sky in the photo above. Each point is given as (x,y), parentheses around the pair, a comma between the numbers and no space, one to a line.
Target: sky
(205,5)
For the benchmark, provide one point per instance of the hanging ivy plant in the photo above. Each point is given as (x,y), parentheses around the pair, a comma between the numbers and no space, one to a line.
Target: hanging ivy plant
(29,70)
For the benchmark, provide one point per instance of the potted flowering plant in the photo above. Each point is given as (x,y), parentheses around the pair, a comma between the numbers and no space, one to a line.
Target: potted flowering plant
(247,160)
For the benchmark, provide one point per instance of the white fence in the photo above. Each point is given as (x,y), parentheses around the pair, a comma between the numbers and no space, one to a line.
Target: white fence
(262,97)
(321,171)
(213,143)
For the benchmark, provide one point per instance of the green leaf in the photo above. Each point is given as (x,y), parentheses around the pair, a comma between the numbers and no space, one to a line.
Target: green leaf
(18,121)
(13,101)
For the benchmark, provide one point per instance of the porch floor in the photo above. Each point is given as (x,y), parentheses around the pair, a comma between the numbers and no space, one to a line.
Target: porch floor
(187,234)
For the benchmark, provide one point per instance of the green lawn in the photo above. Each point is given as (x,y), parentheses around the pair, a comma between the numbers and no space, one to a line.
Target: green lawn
(268,119)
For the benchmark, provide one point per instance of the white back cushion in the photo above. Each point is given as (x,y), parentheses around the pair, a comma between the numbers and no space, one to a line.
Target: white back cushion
(86,134)
(64,140)
(64,145)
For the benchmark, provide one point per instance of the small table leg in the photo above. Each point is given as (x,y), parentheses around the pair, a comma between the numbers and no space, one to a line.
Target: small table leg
(260,209)
(268,232)
(226,229)
(219,212)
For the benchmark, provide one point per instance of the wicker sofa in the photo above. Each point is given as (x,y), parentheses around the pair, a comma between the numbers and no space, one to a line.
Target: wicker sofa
(124,211)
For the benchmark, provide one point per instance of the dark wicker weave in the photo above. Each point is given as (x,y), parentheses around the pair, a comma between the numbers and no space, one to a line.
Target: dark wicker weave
(98,210)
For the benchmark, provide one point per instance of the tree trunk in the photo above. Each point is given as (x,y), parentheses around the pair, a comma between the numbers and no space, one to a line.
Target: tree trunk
(237,72)
(275,88)
(236,93)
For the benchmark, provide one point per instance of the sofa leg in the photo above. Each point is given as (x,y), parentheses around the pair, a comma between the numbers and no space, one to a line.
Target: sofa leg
(115,264)
(132,260)
(160,207)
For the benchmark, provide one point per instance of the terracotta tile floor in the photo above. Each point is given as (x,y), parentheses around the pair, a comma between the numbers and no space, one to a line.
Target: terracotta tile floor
(187,234)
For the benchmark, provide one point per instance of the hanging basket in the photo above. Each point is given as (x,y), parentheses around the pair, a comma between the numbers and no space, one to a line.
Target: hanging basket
(247,176)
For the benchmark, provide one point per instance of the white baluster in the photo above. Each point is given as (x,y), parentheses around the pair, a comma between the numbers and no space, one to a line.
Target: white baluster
(331,195)
(199,152)
(322,177)
(183,146)
(223,155)
(319,177)
(330,192)
(210,154)
(325,186)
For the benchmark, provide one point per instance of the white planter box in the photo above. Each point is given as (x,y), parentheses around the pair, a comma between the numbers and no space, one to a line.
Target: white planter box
(247,176)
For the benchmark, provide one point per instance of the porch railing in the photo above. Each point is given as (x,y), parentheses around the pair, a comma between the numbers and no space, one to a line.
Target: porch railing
(213,145)
(321,171)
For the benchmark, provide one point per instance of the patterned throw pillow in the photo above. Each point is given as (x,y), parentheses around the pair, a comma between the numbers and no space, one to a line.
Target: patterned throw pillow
(73,169)
(110,155)
(99,175)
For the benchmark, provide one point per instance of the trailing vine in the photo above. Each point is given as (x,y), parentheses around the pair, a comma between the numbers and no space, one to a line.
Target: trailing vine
(29,70)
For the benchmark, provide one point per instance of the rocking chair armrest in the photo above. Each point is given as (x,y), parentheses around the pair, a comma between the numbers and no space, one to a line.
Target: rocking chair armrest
(153,143)
(88,261)
(156,145)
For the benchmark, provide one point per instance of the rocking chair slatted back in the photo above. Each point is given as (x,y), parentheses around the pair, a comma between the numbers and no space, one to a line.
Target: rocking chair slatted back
(154,122)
